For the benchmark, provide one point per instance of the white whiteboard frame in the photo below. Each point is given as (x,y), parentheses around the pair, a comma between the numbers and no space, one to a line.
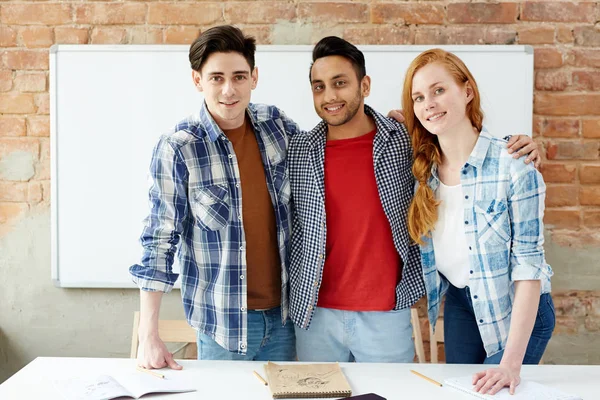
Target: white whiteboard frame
(55,256)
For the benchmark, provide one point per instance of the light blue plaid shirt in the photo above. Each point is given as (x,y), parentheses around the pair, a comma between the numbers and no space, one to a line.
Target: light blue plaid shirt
(195,197)
(503,217)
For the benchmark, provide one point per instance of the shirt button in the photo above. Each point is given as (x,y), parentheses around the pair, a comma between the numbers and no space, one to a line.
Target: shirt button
(310,307)
(223,138)
(469,247)
(320,256)
(471,271)
(466,222)
(464,172)
(243,345)
(243,309)
(242,276)
(316,283)
(475,296)
(481,321)
(467,196)
(230,156)
(242,248)
(237,185)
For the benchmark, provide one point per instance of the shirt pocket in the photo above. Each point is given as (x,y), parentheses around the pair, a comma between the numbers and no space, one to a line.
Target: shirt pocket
(210,207)
(493,224)
(281,183)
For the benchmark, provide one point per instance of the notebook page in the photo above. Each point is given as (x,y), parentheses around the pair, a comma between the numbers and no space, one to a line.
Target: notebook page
(101,387)
(140,383)
(527,390)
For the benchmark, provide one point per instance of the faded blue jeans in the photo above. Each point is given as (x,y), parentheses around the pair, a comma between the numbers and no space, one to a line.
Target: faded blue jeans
(361,336)
(463,344)
(267,340)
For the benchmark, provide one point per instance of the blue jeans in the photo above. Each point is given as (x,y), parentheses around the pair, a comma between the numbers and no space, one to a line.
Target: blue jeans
(345,336)
(463,344)
(267,340)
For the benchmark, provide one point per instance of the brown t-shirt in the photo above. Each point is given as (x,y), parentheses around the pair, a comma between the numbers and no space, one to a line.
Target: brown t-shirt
(258,219)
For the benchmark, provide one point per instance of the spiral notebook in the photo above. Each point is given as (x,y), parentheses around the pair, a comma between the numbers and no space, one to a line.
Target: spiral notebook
(527,390)
(295,381)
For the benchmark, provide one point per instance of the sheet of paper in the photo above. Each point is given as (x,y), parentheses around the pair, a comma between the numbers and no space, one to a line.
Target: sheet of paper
(140,383)
(101,387)
(527,390)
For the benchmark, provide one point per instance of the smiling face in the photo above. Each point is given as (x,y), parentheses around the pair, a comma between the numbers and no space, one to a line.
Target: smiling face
(226,82)
(337,92)
(439,102)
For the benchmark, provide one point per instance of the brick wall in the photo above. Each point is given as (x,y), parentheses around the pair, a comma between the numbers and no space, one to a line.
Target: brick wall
(565,36)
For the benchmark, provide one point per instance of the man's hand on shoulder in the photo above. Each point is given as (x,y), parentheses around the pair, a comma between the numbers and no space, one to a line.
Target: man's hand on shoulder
(397,115)
(520,145)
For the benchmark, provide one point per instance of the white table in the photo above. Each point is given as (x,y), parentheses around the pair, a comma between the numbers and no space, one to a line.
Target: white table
(234,380)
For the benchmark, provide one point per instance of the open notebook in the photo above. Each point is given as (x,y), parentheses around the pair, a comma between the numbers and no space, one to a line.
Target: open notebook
(292,381)
(527,390)
(104,387)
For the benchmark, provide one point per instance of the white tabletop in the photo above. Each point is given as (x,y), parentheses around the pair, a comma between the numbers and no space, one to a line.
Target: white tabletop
(234,379)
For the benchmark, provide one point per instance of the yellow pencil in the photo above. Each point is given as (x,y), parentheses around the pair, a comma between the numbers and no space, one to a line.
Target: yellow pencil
(156,374)
(426,378)
(260,378)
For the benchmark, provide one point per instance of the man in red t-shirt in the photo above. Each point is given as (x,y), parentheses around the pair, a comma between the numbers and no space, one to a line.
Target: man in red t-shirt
(353,274)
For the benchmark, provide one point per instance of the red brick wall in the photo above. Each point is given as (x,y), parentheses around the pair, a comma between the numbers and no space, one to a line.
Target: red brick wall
(567,69)
(565,37)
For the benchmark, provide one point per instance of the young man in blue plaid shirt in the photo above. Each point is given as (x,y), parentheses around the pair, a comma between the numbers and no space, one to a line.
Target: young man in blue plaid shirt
(354,273)
(232,253)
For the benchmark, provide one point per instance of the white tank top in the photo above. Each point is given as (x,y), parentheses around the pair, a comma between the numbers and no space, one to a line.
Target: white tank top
(449,240)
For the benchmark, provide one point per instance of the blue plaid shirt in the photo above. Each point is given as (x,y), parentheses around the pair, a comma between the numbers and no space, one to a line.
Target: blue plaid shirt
(392,161)
(503,217)
(195,197)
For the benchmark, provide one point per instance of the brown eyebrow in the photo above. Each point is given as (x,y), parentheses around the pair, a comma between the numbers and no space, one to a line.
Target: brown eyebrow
(430,86)
(234,73)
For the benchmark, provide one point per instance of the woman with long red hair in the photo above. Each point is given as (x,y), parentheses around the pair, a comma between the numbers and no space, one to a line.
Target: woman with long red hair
(477,215)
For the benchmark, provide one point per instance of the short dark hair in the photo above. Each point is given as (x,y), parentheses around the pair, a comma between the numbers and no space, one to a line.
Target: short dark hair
(221,39)
(335,46)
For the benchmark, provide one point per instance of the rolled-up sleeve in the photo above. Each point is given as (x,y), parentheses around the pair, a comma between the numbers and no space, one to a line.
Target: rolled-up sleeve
(526,208)
(164,224)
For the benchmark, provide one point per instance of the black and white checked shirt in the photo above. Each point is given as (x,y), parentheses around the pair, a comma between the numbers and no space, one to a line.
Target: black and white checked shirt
(392,160)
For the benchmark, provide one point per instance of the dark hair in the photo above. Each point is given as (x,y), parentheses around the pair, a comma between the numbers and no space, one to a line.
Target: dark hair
(221,39)
(335,46)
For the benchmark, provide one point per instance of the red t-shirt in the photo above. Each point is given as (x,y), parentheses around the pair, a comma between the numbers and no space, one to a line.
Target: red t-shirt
(362,266)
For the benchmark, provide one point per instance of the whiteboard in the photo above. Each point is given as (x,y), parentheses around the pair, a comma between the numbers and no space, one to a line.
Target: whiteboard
(110,103)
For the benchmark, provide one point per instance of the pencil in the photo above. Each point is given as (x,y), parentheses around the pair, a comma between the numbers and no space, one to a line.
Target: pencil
(426,378)
(260,378)
(156,374)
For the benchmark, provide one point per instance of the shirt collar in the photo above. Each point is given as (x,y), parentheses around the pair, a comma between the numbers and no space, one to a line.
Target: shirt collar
(481,148)
(213,130)
(475,158)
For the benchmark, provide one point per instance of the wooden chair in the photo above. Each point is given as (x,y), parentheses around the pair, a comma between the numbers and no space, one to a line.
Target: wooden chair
(170,331)
(419,348)
(436,338)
